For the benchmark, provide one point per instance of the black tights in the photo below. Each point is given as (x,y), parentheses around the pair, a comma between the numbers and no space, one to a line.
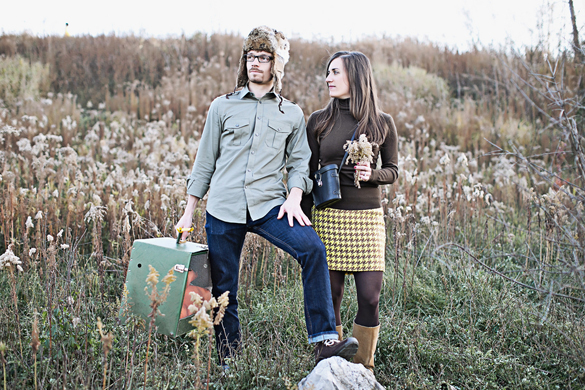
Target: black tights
(368,285)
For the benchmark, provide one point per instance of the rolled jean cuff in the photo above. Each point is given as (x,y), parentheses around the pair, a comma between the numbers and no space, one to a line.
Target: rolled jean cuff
(323,337)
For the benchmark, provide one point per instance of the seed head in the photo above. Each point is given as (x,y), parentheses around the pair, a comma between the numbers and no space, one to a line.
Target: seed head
(359,151)
(196,299)
(75,321)
(10,261)
(2,352)
(107,339)
(445,159)
(201,320)
(462,160)
(223,302)
(153,275)
(35,342)
(95,213)
(169,278)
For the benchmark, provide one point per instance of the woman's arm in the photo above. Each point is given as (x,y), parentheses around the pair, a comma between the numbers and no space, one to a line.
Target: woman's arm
(307,201)
(388,173)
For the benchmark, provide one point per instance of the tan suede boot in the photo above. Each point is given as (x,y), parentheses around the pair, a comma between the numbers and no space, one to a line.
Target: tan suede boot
(368,339)
(339,329)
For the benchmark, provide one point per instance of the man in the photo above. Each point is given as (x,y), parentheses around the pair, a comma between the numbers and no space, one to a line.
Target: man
(249,137)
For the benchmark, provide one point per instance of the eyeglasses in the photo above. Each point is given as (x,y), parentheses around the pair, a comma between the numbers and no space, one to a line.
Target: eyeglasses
(261,58)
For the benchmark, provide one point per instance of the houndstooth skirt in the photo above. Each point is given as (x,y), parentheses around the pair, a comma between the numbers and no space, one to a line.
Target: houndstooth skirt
(354,239)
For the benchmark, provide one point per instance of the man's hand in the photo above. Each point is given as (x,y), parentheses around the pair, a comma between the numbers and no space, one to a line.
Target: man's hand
(187,219)
(292,207)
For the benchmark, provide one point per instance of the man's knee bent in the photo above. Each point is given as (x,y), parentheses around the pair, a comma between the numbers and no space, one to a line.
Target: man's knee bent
(313,244)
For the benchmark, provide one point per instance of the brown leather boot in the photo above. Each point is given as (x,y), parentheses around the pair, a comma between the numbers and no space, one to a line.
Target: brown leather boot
(368,339)
(339,329)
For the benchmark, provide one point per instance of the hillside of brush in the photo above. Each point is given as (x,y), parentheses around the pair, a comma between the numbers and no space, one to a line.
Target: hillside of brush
(485,258)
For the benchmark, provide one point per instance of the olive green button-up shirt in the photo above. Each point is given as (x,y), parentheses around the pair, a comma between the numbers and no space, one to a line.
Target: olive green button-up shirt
(245,145)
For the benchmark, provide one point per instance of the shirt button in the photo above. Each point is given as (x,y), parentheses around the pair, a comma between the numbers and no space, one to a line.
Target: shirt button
(259,117)
(257,135)
(245,187)
(252,152)
(249,170)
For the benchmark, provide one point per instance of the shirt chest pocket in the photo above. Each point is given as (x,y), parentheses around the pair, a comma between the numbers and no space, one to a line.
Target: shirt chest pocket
(276,134)
(235,131)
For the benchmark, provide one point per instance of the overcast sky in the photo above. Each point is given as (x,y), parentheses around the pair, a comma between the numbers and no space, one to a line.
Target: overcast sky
(455,23)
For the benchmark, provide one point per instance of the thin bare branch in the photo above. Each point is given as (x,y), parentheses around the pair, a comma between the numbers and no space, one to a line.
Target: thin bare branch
(540,290)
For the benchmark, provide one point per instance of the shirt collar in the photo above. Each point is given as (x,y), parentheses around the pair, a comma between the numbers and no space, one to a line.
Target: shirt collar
(246,91)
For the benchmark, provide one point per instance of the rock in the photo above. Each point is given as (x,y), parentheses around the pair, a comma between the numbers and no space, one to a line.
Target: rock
(337,373)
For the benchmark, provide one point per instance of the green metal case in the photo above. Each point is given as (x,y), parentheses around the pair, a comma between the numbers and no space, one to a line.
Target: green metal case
(191,267)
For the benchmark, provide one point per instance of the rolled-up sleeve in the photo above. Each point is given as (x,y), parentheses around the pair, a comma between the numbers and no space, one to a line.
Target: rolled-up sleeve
(207,153)
(298,155)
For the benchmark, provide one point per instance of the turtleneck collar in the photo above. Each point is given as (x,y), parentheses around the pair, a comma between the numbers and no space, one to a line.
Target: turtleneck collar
(344,104)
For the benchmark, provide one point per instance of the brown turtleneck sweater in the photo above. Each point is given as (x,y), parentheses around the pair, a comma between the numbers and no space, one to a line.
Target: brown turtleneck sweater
(330,151)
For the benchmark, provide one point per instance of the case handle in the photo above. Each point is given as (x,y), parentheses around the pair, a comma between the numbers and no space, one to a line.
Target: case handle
(180,234)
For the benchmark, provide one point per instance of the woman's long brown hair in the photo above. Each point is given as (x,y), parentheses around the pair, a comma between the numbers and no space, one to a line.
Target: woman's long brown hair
(363,100)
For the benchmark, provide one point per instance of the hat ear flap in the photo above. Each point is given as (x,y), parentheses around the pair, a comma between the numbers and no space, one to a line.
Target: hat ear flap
(242,80)
(278,74)
(281,57)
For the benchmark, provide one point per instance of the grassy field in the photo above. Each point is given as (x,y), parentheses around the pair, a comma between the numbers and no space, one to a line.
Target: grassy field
(484,285)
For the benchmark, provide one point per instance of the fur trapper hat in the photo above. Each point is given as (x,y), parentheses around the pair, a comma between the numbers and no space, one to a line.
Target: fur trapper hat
(265,39)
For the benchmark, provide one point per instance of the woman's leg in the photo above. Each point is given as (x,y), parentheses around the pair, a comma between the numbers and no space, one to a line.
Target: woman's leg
(368,285)
(337,279)
(366,326)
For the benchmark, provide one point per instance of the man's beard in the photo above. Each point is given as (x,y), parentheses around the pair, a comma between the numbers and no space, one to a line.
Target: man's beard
(261,81)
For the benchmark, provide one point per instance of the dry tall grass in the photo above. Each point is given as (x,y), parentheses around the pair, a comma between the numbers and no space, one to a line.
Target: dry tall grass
(489,195)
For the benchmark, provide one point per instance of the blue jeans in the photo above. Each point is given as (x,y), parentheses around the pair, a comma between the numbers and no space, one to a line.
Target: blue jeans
(225,241)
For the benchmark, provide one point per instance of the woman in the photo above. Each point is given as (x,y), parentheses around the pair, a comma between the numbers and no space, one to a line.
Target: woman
(353,229)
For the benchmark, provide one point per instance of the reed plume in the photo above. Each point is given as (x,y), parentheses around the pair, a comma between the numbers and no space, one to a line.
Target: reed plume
(107,340)
(207,314)
(10,262)
(156,299)
(35,343)
(359,151)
